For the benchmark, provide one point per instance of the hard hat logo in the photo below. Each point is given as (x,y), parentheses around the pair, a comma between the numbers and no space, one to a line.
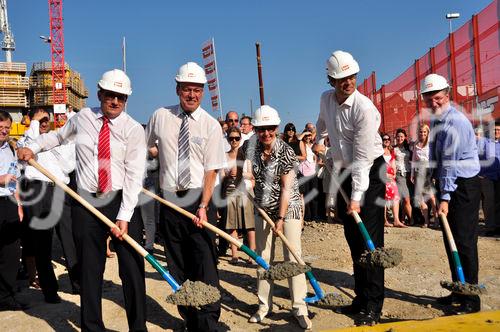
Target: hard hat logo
(341,64)
(118,84)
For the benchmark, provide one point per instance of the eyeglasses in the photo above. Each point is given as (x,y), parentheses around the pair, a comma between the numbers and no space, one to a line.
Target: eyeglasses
(233,138)
(110,95)
(266,128)
(233,120)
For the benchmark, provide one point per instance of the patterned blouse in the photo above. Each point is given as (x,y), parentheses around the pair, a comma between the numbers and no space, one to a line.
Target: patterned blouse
(268,177)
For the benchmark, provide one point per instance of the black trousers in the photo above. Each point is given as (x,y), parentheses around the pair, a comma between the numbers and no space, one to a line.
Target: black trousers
(10,251)
(90,236)
(368,281)
(64,231)
(463,217)
(42,216)
(191,254)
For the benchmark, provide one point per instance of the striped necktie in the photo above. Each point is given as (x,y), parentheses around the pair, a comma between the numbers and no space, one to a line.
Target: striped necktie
(184,175)
(104,158)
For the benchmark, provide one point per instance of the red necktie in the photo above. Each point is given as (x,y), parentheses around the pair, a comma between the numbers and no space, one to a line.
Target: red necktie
(104,158)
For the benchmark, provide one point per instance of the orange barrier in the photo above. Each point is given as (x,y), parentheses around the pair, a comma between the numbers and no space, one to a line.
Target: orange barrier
(468,58)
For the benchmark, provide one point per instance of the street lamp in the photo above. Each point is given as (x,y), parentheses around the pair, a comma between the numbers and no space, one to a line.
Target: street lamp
(450,17)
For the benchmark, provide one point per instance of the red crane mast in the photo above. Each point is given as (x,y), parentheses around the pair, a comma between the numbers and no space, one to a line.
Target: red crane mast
(57,57)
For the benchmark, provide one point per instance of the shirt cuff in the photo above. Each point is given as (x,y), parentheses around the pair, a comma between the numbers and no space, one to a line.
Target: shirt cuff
(125,215)
(35,148)
(357,195)
(445,197)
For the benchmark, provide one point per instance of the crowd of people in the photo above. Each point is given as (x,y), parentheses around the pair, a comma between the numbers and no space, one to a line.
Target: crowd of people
(329,170)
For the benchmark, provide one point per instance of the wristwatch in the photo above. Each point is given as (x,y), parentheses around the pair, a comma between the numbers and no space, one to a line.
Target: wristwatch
(280,218)
(202,206)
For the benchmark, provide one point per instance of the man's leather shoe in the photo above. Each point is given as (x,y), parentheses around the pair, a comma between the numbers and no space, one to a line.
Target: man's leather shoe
(350,310)
(53,298)
(451,299)
(369,319)
(12,305)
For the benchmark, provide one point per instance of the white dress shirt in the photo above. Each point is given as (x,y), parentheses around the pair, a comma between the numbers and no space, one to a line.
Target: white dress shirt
(353,131)
(246,137)
(128,153)
(206,145)
(59,161)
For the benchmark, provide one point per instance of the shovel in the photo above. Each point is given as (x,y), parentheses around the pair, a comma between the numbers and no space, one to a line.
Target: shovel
(150,258)
(459,286)
(252,254)
(375,257)
(320,297)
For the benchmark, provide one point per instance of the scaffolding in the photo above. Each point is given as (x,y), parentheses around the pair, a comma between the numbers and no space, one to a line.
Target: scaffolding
(41,93)
(14,85)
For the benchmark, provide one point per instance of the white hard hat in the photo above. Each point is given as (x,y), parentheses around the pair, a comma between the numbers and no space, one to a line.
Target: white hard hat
(433,82)
(265,116)
(341,64)
(117,81)
(192,73)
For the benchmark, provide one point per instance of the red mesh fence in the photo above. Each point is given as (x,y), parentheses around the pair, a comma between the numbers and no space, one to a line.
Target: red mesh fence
(469,59)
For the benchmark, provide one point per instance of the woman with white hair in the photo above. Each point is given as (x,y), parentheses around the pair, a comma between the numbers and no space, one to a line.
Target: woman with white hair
(274,166)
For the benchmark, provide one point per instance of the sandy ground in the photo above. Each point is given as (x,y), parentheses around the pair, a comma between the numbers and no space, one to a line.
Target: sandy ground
(411,288)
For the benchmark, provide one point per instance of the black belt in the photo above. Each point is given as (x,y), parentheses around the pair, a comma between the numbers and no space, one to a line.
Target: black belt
(6,198)
(43,183)
(106,194)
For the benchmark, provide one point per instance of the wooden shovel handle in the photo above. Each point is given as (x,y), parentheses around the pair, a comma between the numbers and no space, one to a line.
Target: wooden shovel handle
(188,214)
(87,205)
(447,231)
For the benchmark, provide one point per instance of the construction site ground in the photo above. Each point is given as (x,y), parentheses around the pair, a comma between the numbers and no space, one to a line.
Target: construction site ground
(411,288)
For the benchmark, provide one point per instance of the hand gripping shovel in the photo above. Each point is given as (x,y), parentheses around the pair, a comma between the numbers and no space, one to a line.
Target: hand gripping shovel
(252,254)
(459,286)
(330,299)
(178,289)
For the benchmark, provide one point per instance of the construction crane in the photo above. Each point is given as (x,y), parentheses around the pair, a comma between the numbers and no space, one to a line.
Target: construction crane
(57,57)
(8,43)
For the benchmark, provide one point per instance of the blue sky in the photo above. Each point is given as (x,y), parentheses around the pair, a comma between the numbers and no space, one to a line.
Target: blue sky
(296,39)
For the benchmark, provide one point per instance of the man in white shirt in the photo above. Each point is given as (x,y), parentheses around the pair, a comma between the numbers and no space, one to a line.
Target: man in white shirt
(190,152)
(110,163)
(351,122)
(46,206)
(246,128)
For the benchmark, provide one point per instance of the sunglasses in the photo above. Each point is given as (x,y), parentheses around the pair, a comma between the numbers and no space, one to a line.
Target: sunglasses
(110,95)
(266,128)
(233,138)
(233,120)
(386,139)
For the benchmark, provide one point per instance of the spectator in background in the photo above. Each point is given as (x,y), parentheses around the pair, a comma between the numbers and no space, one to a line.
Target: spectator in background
(246,128)
(10,220)
(403,157)
(239,211)
(391,187)
(421,175)
(308,181)
(290,137)
(489,156)
(232,119)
